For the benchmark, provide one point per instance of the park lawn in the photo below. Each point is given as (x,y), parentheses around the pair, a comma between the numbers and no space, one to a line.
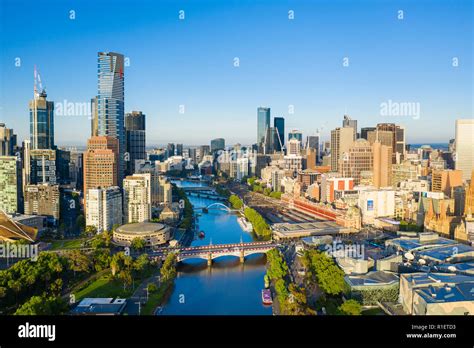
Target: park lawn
(67,244)
(104,286)
(157,298)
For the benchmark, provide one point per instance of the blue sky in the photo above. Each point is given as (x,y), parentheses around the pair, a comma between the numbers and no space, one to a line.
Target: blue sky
(283,62)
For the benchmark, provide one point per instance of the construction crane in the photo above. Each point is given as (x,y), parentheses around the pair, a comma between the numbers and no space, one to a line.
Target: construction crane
(37,84)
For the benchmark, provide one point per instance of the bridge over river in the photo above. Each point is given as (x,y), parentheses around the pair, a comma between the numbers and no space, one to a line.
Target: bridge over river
(213,251)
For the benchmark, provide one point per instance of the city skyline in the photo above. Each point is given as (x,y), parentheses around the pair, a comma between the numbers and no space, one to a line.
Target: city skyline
(291,76)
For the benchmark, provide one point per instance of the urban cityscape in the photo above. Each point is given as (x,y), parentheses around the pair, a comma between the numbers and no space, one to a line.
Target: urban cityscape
(347,220)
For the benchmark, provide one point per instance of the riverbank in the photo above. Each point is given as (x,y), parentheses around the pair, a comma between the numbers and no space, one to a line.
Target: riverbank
(228,287)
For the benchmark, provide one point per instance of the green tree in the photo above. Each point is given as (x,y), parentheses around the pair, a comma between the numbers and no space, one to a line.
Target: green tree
(138,243)
(78,261)
(351,307)
(168,269)
(141,263)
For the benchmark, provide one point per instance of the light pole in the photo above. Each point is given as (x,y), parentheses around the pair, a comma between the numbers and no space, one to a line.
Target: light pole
(139,306)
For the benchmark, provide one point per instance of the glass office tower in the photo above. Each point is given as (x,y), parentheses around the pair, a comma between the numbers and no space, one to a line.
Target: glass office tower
(110,102)
(263,123)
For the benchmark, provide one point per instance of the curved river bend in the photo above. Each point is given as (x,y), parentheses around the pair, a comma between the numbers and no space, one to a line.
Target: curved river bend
(226,288)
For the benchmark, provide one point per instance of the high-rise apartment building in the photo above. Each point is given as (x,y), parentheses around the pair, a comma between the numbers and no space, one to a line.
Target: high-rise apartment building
(110,102)
(11,191)
(42,199)
(464,144)
(341,140)
(137,198)
(104,208)
(135,139)
(43,167)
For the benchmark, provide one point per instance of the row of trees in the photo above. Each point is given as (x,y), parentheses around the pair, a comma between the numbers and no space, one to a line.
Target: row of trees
(259,224)
(187,221)
(322,269)
(257,187)
(236,202)
(292,299)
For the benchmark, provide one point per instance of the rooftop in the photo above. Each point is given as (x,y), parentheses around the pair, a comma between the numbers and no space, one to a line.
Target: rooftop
(375,278)
(457,293)
(141,227)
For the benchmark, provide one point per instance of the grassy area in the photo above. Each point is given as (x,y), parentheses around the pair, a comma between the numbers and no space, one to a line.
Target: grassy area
(104,286)
(67,244)
(157,298)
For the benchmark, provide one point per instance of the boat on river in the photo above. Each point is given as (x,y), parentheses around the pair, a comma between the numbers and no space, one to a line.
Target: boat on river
(267,297)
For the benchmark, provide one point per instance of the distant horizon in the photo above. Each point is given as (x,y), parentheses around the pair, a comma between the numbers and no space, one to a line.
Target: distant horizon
(198,69)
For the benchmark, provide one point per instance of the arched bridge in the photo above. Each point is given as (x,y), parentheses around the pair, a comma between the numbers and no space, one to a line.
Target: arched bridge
(216,205)
(211,252)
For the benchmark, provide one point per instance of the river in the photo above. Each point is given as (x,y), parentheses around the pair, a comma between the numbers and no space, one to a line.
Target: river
(227,287)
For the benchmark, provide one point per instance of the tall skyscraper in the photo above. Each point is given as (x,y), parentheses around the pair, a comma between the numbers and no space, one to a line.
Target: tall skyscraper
(135,139)
(217,144)
(464,158)
(179,149)
(7,141)
(170,150)
(270,140)
(41,121)
(382,172)
(341,140)
(263,123)
(110,102)
(100,163)
(349,122)
(279,125)
(383,132)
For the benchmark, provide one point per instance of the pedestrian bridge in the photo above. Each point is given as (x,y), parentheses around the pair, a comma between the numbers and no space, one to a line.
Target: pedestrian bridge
(211,252)
(216,206)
